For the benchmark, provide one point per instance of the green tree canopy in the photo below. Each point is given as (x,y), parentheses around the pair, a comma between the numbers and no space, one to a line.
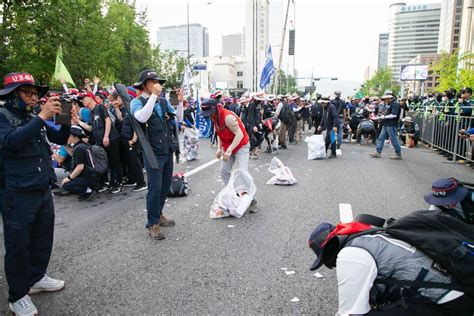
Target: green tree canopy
(455,71)
(379,83)
(104,38)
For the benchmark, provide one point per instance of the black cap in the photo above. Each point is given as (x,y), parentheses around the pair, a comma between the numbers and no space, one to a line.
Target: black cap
(146,75)
(208,107)
(78,131)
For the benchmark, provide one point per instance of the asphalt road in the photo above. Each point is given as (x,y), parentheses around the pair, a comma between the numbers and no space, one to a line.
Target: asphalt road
(204,266)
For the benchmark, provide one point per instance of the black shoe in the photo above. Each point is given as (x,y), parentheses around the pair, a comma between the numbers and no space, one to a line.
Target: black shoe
(61,193)
(338,146)
(129,183)
(140,187)
(284,147)
(102,188)
(332,156)
(87,196)
(116,189)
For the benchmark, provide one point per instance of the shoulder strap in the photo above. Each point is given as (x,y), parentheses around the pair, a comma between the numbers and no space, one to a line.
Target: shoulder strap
(421,284)
(14,122)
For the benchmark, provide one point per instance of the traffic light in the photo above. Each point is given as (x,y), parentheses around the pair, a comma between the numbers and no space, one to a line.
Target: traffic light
(291,45)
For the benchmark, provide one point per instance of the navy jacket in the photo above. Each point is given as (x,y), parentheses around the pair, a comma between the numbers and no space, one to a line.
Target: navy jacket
(27,152)
(330,117)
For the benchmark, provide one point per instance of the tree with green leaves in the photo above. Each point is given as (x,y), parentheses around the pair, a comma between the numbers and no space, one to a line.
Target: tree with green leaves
(104,38)
(286,83)
(379,83)
(454,70)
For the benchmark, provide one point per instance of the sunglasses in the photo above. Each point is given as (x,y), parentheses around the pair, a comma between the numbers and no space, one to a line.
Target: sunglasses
(29,93)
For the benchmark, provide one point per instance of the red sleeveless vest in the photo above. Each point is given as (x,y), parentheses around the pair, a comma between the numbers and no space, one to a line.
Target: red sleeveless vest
(226,136)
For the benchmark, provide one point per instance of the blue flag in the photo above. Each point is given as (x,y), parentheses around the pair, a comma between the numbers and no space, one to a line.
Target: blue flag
(203,124)
(268,69)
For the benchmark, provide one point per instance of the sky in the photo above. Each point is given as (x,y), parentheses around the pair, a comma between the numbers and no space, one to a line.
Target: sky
(336,38)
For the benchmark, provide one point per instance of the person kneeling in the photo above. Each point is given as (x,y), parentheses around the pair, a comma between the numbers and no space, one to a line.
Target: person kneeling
(82,177)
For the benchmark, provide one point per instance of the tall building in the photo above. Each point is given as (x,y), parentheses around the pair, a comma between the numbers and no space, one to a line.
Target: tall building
(256,41)
(450,25)
(176,38)
(383,51)
(466,43)
(232,45)
(413,30)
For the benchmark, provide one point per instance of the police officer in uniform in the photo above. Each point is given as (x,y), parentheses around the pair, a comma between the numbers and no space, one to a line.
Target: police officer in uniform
(155,112)
(28,209)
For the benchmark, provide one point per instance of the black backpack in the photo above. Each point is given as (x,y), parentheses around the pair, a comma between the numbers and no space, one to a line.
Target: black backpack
(449,241)
(179,186)
(97,157)
(285,115)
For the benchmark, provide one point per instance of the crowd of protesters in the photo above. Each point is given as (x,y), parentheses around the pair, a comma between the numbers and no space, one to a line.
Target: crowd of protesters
(96,149)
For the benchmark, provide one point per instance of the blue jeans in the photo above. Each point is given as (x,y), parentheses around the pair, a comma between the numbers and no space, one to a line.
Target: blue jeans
(159,181)
(340,129)
(388,132)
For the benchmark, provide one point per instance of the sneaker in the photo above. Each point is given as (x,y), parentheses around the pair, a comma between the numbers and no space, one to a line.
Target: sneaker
(46,284)
(140,187)
(253,206)
(62,192)
(129,183)
(24,307)
(375,155)
(102,188)
(164,222)
(396,157)
(87,196)
(332,156)
(155,232)
(116,189)
(284,147)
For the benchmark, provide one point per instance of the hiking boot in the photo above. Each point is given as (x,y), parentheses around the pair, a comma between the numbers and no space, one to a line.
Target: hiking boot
(396,157)
(116,189)
(155,232)
(375,155)
(140,187)
(164,222)
(253,206)
(46,284)
(24,307)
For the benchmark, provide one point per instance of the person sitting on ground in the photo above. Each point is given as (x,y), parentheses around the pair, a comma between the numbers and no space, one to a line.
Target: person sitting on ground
(409,129)
(83,177)
(366,127)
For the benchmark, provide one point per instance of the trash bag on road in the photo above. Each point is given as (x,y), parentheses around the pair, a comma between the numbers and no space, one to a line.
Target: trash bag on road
(191,143)
(316,147)
(235,197)
(282,174)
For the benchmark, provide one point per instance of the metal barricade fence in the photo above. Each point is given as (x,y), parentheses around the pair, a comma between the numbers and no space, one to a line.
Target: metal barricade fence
(441,131)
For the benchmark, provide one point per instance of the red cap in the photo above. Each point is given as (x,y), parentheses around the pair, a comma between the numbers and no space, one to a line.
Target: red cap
(86,94)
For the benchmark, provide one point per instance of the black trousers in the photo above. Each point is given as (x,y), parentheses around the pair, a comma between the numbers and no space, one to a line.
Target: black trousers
(291,131)
(80,184)
(28,229)
(462,306)
(135,167)
(372,132)
(316,122)
(115,165)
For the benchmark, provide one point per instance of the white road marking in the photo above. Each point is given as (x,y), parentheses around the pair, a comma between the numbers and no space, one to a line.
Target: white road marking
(204,166)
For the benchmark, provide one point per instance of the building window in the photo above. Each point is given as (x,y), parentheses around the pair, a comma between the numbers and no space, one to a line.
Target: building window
(240,84)
(458,10)
(456,38)
(459,2)
(456,31)
(240,73)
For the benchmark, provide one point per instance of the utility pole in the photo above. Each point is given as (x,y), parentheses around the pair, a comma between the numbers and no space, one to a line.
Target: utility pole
(281,48)
(187,11)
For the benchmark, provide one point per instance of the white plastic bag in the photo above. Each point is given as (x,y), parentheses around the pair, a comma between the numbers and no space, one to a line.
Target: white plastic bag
(282,174)
(191,143)
(235,197)
(316,147)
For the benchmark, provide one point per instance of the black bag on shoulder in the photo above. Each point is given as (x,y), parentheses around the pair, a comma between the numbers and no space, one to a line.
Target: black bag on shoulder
(179,186)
